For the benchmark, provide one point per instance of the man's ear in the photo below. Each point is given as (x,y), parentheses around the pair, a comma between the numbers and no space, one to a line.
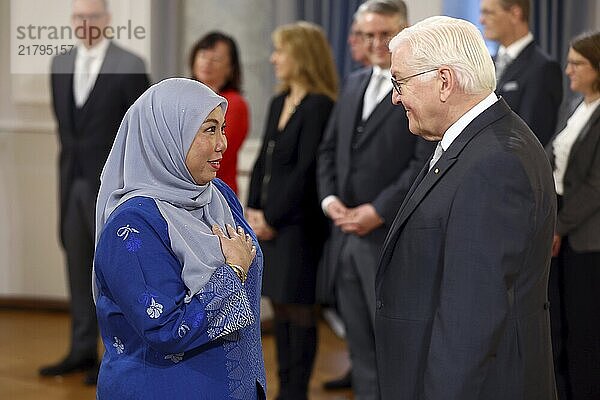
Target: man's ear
(516,13)
(447,83)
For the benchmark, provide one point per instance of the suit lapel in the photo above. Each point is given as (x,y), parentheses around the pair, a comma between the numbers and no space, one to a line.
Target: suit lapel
(514,68)
(428,179)
(377,117)
(566,110)
(353,110)
(584,132)
(393,232)
(109,65)
(67,97)
(349,116)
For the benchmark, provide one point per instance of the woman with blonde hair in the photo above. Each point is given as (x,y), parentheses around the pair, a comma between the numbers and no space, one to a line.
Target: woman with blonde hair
(283,206)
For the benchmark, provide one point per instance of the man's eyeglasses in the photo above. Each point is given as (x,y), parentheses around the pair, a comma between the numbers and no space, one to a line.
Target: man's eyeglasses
(384,37)
(397,83)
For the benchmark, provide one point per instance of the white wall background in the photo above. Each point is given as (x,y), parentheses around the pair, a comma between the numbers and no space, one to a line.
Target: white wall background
(31,260)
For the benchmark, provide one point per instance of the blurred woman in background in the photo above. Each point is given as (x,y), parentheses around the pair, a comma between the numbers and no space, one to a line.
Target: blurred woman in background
(575,156)
(283,207)
(214,61)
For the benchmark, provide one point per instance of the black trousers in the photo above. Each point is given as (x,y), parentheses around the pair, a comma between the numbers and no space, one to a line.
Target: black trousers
(574,292)
(78,241)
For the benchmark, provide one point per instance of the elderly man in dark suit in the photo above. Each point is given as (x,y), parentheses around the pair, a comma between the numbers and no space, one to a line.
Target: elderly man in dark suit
(366,164)
(528,80)
(462,311)
(92,88)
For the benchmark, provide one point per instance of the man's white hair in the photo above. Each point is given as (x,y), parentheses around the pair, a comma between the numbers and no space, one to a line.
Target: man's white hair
(456,43)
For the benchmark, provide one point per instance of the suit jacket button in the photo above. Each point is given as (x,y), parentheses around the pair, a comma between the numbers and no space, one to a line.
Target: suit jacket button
(360,129)
(546,305)
(379,304)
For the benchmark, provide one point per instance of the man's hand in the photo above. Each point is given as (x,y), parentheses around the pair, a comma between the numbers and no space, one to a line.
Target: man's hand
(360,220)
(256,219)
(556,245)
(336,210)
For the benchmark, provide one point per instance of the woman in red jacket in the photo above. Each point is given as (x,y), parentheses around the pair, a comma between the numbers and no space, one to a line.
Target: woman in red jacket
(214,61)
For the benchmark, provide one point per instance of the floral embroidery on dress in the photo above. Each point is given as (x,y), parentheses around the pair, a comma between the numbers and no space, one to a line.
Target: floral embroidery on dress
(124,231)
(174,357)
(183,330)
(133,243)
(146,298)
(154,310)
(118,345)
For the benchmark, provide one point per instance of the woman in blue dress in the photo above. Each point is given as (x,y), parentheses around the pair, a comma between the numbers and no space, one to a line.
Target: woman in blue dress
(177,271)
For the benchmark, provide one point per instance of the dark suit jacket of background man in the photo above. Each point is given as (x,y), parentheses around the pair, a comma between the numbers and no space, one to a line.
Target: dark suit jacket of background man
(462,310)
(375,164)
(86,136)
(532,86)
(87,140)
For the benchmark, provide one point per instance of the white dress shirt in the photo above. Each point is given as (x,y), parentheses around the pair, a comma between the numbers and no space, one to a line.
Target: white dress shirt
(456,128)
(562,144)
(379,86)
(514,49)
(87,67)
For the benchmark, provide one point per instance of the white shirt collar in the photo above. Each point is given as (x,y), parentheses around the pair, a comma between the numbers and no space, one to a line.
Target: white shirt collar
(377,70)
(592,106)
(456,128)
(514,49)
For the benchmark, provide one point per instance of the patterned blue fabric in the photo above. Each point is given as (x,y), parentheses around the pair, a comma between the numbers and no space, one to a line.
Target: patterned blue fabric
(157,346)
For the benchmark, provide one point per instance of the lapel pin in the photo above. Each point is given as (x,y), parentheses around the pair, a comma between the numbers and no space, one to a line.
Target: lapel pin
(436,171)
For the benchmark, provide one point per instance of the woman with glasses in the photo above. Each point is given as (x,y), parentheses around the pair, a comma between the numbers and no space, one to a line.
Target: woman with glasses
(214,61)
(575,156)
(283,207)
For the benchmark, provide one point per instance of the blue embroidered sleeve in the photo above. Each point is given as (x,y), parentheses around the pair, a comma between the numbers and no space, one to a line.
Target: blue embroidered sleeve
(137,271)
(226,304)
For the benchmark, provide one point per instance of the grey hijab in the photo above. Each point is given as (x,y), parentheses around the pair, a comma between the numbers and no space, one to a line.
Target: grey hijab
(148,159)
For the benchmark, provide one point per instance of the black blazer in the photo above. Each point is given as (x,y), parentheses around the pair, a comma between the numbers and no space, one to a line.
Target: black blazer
(579,216)
(86,140)
(532,87)
(289,196)
(283,185)
(372,162)
(461,310)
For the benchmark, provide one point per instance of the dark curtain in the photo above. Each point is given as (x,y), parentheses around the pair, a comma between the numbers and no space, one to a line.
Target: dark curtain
(555,22)
(335,16)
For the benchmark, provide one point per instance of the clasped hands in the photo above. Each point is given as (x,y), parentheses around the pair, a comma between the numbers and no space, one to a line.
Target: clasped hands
(360,220)
(260,226)
(556,239)
(237,246)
